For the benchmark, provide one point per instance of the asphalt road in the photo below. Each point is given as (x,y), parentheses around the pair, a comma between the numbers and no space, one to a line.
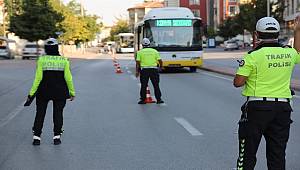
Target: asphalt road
(106,129)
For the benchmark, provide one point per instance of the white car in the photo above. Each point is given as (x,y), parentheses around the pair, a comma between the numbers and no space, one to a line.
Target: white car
(231,45)
(32,51)
(4,52)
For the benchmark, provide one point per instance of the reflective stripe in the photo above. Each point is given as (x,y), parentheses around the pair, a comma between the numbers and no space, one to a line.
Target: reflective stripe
(149,67)
(36,137)
(53,69)
(267,99)
(56,137)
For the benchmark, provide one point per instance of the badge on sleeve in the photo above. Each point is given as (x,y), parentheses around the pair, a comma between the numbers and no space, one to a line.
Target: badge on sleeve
(241,62)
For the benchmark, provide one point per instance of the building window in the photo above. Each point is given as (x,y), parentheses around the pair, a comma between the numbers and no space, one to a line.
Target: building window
(232,10)
(194,2)
(196,12)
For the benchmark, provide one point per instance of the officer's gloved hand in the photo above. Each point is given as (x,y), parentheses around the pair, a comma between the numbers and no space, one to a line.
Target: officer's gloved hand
(160,69)
(72,98)
(293,93)
(29,100)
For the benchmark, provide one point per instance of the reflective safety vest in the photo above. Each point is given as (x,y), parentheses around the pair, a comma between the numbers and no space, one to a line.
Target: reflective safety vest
(53,78)
(269,68)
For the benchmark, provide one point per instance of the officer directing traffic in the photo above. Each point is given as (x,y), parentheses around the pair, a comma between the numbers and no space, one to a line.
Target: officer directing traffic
(147,61)
(53,81)
(265,73)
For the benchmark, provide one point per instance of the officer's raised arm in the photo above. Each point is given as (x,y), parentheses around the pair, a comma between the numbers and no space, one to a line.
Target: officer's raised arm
(297,34)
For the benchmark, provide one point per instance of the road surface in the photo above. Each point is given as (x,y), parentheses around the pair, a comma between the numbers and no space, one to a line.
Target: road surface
(106,129)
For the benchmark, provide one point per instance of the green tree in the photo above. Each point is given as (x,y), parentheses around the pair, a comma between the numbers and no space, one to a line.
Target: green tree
(278,10)
(13,6)
(230,28)
(36,20)
(75,7)
(76,28)
(121,26)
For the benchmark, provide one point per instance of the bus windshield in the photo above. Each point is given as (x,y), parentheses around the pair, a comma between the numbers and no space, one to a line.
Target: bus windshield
(126,41)
(181,34)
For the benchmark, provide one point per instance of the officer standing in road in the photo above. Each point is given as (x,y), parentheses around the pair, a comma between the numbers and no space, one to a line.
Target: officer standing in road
(53,81)
(147,61)
(266,74)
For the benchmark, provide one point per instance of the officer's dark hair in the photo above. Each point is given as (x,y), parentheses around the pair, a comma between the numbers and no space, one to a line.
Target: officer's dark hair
(52,49)
(264,35)
(146,46)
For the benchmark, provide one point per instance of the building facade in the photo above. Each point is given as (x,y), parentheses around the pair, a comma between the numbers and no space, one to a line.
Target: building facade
(137,13)
(291,11)
(172,3)
(212,12)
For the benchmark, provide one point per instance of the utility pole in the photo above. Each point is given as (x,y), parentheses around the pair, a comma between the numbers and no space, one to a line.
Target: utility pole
(268,6)
(81,7)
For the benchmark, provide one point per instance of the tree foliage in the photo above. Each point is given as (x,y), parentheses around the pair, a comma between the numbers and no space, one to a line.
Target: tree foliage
(36,20)
(278,10)
(13,6)
(249,14)
(230,28)
(75,27)
(121,26)
(39,19)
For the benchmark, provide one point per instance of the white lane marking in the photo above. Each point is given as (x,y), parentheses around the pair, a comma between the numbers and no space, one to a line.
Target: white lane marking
(11,115)
(214,75)
(133,77)
(163,105)
(129,72)
(296,96)
(127,68)
(187,126)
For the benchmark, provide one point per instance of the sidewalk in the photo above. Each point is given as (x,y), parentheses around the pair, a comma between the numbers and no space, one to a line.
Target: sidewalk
(295,84)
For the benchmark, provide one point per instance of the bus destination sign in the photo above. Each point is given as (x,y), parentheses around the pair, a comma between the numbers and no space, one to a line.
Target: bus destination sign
(173,23)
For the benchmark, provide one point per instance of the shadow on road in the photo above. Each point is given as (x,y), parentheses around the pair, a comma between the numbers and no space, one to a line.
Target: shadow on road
(176,71)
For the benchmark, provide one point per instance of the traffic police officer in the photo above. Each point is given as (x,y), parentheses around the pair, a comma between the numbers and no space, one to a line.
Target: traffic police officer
(266,73)
(147,61)
(53,81)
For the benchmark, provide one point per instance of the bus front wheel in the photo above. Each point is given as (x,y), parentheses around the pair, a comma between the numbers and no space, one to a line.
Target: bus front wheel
(193,69)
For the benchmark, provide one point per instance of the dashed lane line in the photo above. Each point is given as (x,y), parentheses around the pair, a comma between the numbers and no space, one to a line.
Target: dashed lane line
(133,77)
(188,127)
(11,115)
(216,76)
(296,96)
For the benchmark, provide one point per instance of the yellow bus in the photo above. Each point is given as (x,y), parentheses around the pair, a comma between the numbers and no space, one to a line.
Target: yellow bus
(175,33)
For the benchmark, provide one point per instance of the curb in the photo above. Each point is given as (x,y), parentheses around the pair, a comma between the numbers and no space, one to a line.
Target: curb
(295,84)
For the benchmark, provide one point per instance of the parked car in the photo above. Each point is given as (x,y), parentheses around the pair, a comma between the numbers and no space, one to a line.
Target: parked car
(204,44)
(231,45)
(32,51)
(7,48)
(4,52)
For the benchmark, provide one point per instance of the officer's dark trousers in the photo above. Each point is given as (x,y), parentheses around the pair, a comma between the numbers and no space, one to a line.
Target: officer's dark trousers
(269,119)
(41,108)
(153,75)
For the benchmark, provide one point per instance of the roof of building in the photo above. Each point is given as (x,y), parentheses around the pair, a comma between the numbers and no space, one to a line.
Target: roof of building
(148,5)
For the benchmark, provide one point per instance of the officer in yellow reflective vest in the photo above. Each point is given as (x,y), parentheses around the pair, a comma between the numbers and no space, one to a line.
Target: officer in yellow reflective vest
(265,73)
(147,61)
(53,81)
